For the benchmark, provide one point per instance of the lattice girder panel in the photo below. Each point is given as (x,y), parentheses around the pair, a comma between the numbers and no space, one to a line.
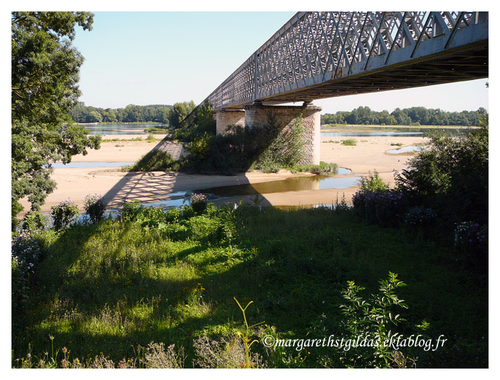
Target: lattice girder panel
(312,55)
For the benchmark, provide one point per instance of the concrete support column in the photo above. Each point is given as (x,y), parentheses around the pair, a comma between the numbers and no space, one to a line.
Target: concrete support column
(257,115)
(225,118)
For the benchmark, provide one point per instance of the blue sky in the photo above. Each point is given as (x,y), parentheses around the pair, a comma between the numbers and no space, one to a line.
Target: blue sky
(145,53)
(167,57)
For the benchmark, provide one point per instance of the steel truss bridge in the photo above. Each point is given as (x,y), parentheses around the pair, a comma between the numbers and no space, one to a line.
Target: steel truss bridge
(318,55)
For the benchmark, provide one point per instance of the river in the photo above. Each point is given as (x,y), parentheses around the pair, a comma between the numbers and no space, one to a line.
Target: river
(119,129)
(342,180)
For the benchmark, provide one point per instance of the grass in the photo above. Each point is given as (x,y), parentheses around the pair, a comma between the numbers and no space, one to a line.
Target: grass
(118,139)
(157,130)
(322,169)
(111,288)
(349,142)
(151,138)
(154,160)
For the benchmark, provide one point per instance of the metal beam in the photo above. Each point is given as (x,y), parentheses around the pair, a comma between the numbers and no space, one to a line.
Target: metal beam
(320,55)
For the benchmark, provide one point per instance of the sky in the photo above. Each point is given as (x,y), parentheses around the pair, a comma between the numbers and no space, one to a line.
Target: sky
(152,52)
(165,57)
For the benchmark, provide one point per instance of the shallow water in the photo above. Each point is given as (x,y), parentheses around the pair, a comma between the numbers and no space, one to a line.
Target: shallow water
(289,184)
(372,134)
(407,149)
(181,198)
(357,131)
(119,129)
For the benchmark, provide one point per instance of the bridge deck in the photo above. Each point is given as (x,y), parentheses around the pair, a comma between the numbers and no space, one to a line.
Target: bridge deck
(320,55)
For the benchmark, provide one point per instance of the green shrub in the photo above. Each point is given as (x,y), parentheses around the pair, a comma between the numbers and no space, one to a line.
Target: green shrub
(25,257)
(200,146)
(372,319)
(173,215)
(130,210)
(155,160)
(34,221)
(451,176)
(376,203)
(323,168)
(349,142)
(16,208)
(385,208)
(28,249)
(187,212)
(373,182)
(198,203)
(94,207)
(64,213)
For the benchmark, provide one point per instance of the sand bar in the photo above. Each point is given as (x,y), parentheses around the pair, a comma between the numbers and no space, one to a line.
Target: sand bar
(367,155)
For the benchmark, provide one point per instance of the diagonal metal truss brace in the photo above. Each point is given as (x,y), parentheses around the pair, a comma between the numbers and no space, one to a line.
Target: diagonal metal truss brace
(325,54)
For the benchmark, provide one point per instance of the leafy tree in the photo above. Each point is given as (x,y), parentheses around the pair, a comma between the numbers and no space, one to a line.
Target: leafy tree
(451,176)
(384,118)
(133,113)
(93,116)
(109,115)
(200,124)
(407,116)
(163,115)
(79,113)
(45,74)
(179,112)
(401,117)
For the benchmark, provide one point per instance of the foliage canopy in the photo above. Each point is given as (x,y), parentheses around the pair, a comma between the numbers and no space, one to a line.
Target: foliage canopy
(451,176)
(156,113)
(45,74)
(407,116)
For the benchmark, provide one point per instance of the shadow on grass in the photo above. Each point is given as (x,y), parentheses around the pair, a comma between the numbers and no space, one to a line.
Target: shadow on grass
(293,265)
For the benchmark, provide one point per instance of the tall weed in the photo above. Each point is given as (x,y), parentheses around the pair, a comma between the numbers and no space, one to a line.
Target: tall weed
(171,277)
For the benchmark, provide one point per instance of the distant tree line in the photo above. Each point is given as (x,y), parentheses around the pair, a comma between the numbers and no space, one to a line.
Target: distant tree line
(164,114)
(173,115)
(407,116)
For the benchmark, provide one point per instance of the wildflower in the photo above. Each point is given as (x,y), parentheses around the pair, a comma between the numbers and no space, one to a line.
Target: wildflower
(199,202)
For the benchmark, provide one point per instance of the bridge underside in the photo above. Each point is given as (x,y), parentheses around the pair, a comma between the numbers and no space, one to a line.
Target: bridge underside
(461,65)
(464,64)
(319,55)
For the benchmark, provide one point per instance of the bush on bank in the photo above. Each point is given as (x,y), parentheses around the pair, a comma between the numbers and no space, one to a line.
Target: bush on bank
(160,284)
(443,195)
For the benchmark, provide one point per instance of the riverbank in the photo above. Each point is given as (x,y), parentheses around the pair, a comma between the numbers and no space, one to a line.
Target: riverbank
(369,154)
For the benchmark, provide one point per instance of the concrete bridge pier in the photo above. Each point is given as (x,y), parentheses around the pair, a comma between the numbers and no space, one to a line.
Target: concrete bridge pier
(256,115)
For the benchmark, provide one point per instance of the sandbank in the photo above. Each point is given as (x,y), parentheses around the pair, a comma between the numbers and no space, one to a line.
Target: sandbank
(368,155)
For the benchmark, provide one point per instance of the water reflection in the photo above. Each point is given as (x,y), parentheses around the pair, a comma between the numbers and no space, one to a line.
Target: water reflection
(119,129)
(182,198)
(289,184)
(407,149)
